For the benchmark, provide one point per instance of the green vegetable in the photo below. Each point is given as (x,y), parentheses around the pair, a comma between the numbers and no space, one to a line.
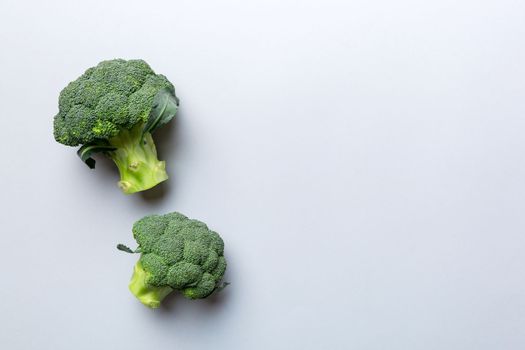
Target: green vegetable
(177,253)
(113,108)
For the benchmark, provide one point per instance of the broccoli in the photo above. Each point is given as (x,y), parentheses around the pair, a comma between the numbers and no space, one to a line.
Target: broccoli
(113,108)
(177,253)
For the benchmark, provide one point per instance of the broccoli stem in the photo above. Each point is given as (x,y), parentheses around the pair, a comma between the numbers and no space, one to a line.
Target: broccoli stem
(136,160)
(148,295)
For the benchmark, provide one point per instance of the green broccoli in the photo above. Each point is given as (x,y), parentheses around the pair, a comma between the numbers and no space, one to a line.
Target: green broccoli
(177,253)
(113,108)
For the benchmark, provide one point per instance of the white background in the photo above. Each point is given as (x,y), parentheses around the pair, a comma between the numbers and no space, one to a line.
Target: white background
(363,160)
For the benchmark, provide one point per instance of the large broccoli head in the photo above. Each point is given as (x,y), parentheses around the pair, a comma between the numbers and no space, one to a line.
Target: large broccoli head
(177,253)
(113,108)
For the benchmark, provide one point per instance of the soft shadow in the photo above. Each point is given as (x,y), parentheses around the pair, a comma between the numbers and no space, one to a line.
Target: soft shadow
(156,193)
(217,299)
(171,302)
(176,300)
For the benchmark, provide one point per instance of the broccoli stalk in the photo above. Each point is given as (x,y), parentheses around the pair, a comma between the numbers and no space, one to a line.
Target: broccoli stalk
(136,158)
(148,295)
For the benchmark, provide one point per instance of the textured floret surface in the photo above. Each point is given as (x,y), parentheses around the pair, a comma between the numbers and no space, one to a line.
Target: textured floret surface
(180,253)
(114,95)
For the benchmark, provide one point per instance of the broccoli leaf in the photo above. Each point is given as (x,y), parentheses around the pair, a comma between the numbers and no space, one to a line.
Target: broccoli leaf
(165,105)
(125,248)
(221,286)
(86,151)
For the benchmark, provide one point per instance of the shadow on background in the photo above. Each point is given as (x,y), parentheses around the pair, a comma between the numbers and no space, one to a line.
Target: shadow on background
(175,301)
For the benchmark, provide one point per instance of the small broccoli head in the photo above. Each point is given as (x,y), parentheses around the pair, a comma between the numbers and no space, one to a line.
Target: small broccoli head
(113,108)
(176,253)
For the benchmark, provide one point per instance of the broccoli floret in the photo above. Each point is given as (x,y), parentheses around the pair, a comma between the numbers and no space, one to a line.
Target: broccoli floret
(177,253)
(113,108)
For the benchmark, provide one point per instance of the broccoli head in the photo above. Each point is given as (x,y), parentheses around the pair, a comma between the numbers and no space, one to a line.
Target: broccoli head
(177,253)
(113,108)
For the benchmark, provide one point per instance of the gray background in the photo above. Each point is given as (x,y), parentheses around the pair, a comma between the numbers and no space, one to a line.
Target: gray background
(363,160)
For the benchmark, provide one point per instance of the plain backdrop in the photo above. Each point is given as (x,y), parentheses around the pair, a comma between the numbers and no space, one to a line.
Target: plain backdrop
(363,161)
